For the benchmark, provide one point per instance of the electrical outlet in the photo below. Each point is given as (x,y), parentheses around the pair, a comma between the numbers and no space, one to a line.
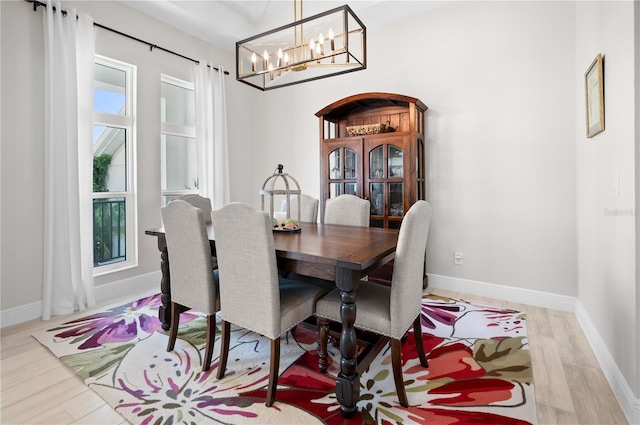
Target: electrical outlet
(458,258)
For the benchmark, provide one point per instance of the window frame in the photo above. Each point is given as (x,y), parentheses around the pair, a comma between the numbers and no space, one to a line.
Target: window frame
(127,122)
(167,129)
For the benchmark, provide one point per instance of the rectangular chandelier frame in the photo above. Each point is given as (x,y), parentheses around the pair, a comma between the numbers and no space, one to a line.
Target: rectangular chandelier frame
(288,55)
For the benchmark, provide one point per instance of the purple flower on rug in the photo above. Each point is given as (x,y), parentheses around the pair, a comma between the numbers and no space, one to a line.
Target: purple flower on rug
(154,386)
(440,311)
(119,324)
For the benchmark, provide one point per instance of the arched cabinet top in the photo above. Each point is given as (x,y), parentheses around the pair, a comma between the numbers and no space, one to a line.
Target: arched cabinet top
(366,101)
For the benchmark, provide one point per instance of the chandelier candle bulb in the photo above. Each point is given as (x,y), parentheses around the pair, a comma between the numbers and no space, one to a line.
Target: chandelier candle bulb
(332,42)
(321,44)
(265,57)
(312,49)
(253,62)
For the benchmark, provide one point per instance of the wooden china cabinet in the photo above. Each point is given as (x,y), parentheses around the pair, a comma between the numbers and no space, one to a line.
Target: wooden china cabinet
(372,146)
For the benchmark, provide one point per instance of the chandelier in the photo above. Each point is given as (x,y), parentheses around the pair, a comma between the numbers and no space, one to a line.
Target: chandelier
(327,44)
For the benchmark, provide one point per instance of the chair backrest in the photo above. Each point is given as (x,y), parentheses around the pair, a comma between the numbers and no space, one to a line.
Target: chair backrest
(190,267)
(200,202)
(308,207)
(408,267)
(248,272)
(348,210)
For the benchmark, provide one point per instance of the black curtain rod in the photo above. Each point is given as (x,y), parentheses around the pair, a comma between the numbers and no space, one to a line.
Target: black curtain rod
(152,46)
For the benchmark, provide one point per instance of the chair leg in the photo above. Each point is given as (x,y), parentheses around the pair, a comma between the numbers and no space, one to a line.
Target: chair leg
(224,348)
(397,372)
(173,329)
(417,333)
(273,371)
(211,338)
(323,336)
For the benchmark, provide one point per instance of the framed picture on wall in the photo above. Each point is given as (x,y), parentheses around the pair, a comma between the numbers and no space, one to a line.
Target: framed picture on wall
(594,85)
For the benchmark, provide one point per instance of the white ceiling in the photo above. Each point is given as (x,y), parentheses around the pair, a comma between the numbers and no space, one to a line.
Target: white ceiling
(222,23)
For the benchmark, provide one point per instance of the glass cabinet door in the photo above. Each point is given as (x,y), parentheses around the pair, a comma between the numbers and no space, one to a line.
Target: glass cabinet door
(376,192)
(335,189)
(396,196)
(350,164)
(342,170)
(335,168)
(396,168)
(376,163)
(351,188)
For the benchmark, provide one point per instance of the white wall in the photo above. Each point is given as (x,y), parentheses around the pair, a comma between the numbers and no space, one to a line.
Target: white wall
(607,286)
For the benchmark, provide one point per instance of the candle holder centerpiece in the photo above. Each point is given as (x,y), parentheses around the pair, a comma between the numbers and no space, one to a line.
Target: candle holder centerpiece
(278,187)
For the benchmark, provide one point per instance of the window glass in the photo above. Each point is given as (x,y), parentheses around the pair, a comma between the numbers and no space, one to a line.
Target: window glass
(177,105)
(109,228)
(181,163)
(109,159)
(178,148)
(109,94)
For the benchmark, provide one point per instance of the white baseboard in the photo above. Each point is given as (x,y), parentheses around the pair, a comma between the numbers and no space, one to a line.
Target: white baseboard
(629,402)
(109,292)
(23,313)
(501,292)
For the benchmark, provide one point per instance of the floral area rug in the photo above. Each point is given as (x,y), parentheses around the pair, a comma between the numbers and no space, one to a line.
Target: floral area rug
(479,370)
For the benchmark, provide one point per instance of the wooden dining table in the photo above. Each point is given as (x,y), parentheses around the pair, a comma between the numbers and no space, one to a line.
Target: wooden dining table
(342,254)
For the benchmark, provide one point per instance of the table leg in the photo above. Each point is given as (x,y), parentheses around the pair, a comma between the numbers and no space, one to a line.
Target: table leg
(164,311)
(348,380)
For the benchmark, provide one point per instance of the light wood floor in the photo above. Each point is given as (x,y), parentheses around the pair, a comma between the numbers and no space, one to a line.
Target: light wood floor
(570,388)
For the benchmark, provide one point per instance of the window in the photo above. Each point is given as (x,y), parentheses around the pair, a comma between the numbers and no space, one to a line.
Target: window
(177,138)
(114,202)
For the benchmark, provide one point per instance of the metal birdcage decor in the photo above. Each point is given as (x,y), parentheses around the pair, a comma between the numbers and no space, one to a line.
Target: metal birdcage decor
(273,189)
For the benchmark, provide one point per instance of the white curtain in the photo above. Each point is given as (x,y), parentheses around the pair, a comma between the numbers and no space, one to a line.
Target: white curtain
(69,46)
(211,133)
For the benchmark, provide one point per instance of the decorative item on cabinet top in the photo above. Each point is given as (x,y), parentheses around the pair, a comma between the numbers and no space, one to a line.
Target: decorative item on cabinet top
(362,130)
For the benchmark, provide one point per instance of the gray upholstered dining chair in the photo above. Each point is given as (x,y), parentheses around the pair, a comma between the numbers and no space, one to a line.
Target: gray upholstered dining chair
(385,310)
(193,281)
(251,293)
(308,207)
(347,209)
(205,205)
(199,202)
